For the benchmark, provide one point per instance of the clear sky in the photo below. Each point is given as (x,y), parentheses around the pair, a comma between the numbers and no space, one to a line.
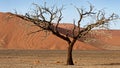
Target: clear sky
(69,13)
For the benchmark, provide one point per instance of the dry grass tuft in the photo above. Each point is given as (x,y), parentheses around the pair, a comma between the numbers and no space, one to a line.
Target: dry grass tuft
(36,62)
(59,62)
(75,61)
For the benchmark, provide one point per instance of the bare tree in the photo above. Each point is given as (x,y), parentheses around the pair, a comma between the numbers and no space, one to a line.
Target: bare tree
(44,16)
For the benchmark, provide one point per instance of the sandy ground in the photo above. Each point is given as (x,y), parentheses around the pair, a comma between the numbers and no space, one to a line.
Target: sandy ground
(57,59)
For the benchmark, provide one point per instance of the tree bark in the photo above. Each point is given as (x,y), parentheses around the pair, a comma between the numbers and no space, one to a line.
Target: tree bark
(69,55)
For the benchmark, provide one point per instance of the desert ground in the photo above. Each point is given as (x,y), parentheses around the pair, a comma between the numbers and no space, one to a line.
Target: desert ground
(57,59)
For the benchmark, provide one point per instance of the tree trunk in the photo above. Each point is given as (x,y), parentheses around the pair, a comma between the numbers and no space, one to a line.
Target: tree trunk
(69,55)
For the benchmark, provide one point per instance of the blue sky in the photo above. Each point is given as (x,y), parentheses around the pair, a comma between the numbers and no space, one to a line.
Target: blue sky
(69,13)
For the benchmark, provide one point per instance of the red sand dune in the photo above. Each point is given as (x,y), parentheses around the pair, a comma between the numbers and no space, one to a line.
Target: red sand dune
(14,35)
(108,41)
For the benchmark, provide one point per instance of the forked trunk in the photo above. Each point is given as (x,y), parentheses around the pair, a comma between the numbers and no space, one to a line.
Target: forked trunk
(69,55)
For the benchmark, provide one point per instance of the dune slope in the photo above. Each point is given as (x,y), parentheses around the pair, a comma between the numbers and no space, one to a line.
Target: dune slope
(15,34)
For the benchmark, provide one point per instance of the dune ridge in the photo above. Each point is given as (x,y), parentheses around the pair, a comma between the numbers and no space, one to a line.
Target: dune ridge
(14,34)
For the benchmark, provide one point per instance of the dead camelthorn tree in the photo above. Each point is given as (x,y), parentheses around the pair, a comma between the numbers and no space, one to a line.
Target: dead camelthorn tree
(43,17)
